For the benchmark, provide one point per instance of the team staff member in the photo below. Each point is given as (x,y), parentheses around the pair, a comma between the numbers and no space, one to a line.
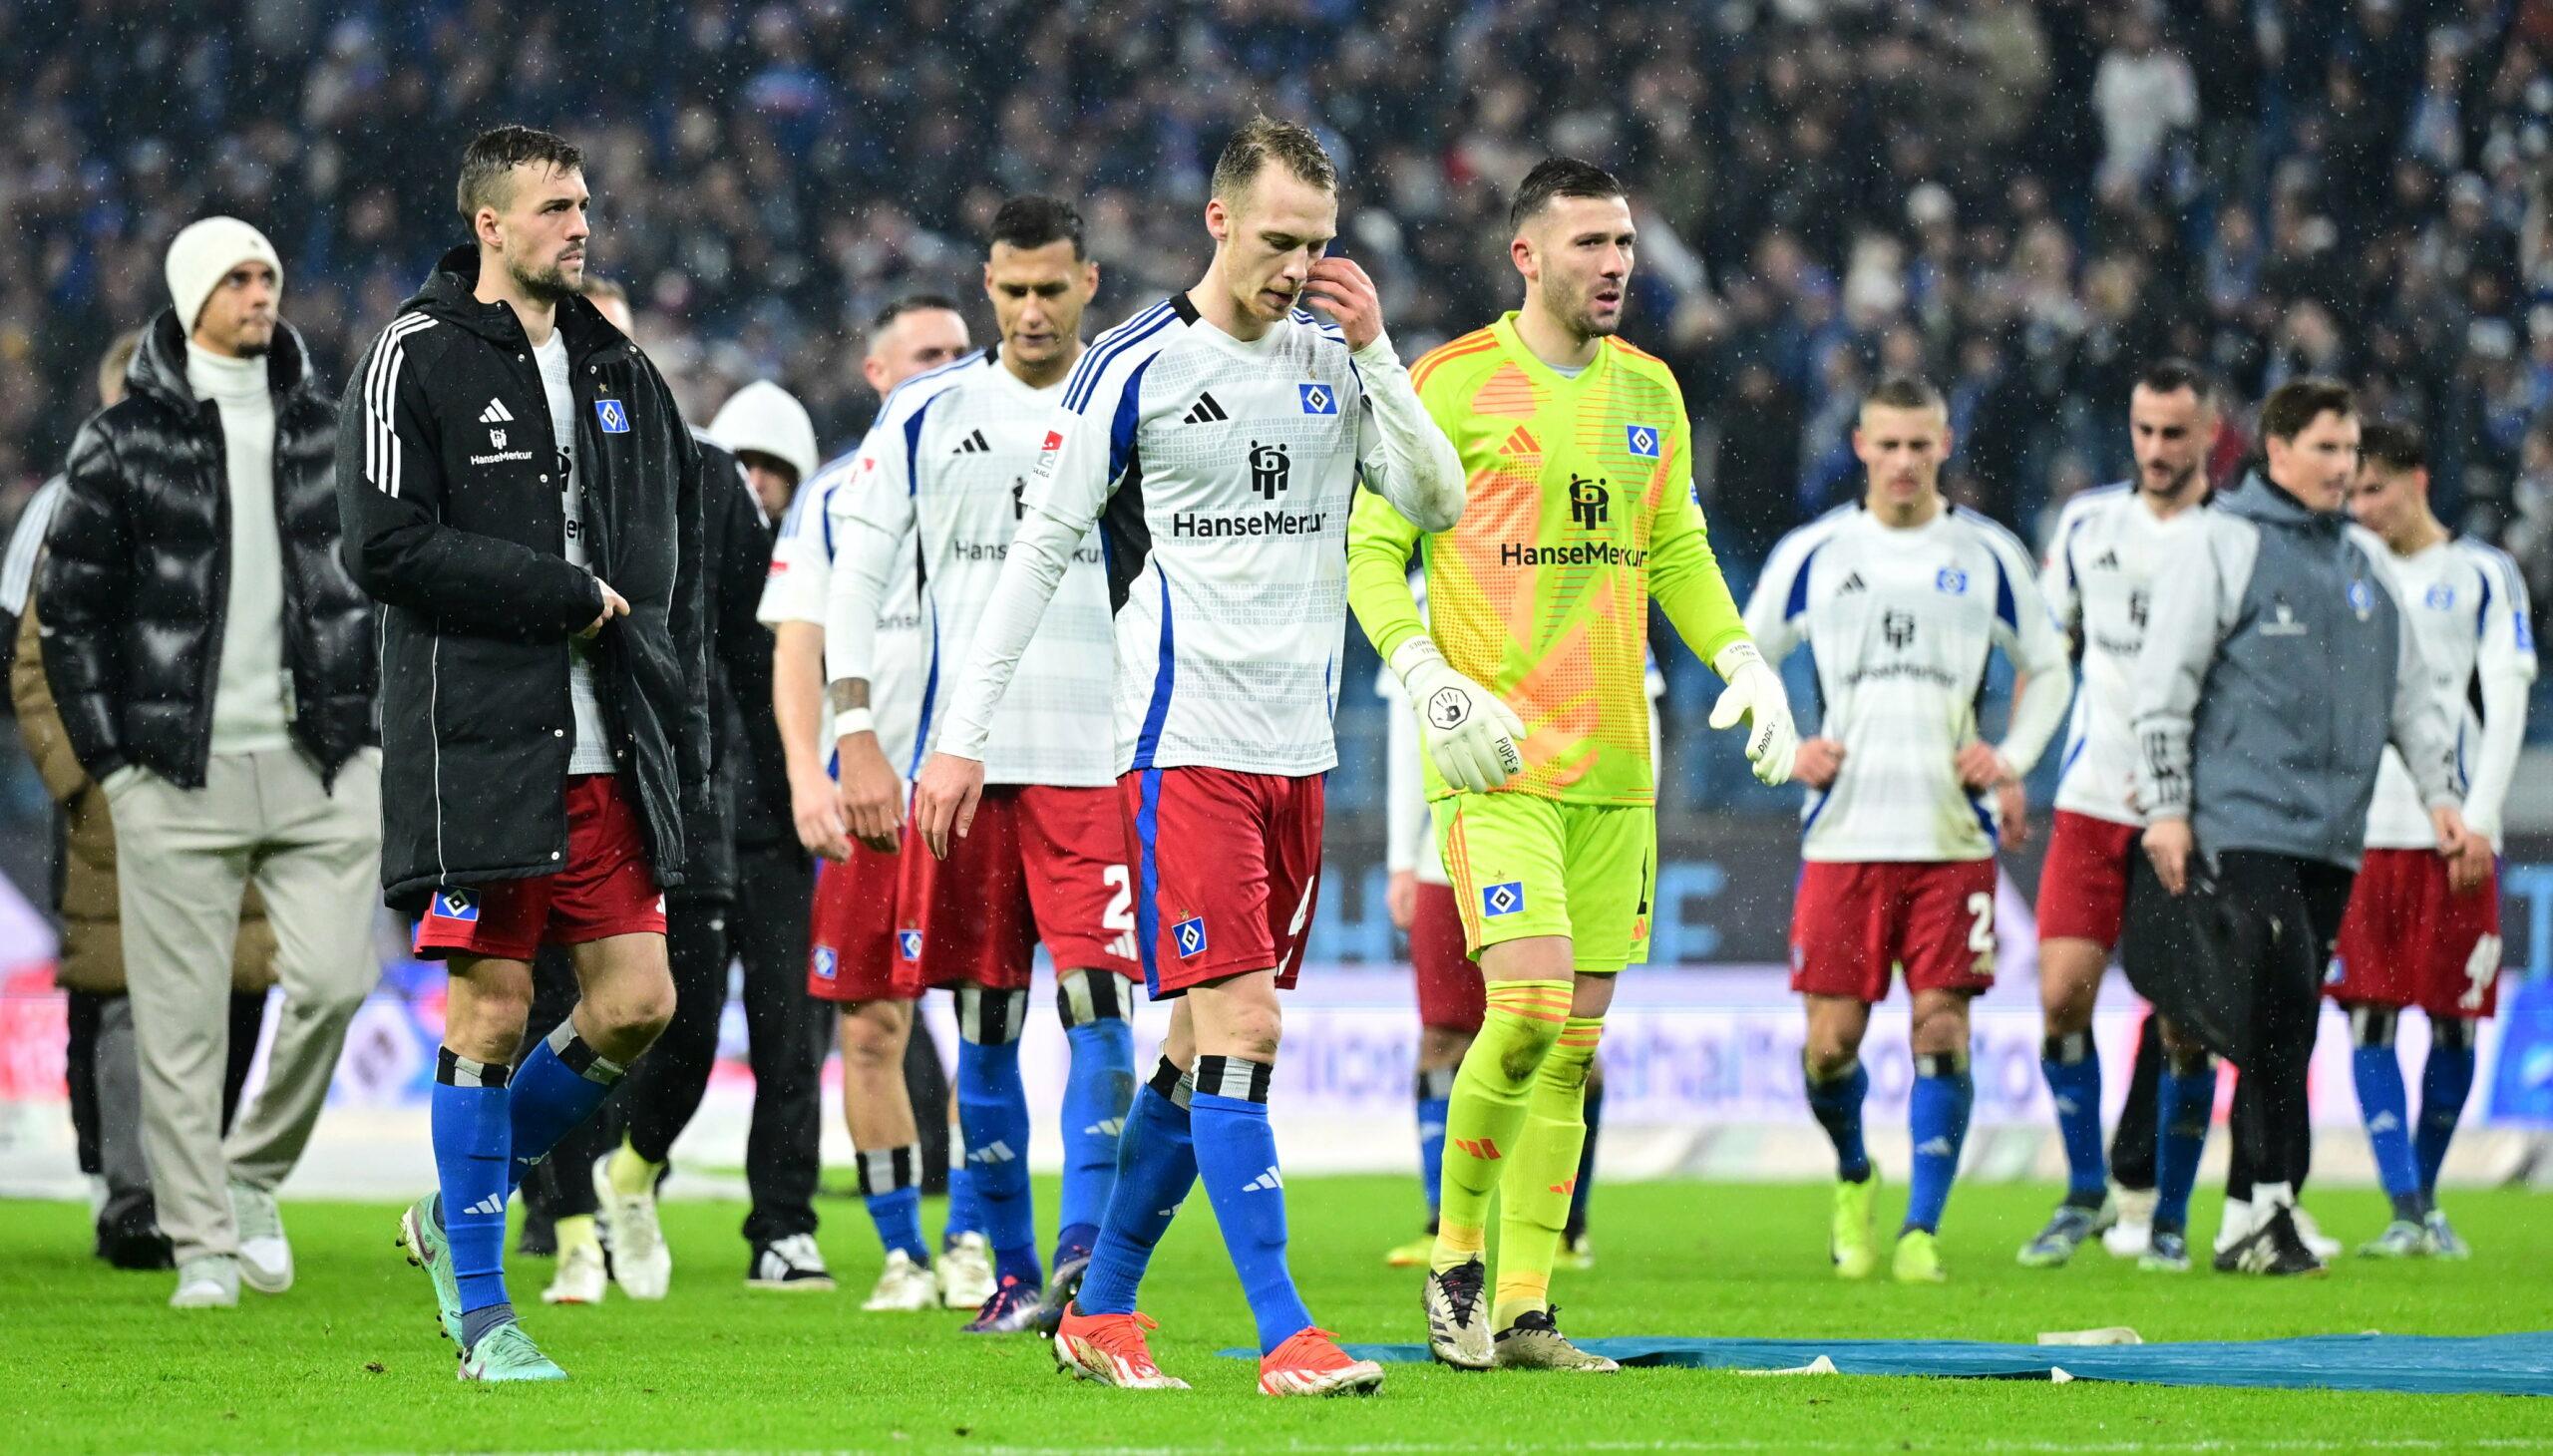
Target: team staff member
(521,495)
(2273,675)
(215,671)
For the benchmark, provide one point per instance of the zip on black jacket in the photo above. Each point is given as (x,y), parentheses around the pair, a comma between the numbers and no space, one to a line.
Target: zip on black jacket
(447,478)
(136,577)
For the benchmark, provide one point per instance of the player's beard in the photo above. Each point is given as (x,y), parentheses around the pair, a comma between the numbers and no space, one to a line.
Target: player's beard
(544,284)
(2173,489)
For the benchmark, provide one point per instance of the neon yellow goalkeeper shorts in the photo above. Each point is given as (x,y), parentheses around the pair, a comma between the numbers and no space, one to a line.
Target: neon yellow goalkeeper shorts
(1523,864)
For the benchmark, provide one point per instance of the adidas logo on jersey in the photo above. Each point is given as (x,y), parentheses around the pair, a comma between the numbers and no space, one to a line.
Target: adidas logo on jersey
(2106,560)
(996,1152)
(1521,440)
(1207,412)
(1268,1182)
(973,444)
(1852,583)
(493,1205)
(496,413)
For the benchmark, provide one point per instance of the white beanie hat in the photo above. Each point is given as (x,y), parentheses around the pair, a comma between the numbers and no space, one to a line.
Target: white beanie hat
(204,253)
(766,419)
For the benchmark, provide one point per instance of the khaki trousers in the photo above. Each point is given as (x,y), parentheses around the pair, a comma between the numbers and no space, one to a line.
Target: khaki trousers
(185,857)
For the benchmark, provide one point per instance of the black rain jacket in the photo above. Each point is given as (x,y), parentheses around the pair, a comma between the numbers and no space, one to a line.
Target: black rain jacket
(447,474)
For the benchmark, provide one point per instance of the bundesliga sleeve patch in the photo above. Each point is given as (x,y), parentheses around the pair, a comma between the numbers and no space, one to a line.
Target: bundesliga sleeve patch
(1503,900)
(453,905)
(1319,399)
(1190,936)
(1642,440)
(615,416)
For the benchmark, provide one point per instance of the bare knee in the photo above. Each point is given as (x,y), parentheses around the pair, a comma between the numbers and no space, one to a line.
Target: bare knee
(873,1036)
(1941,1024)
(1253,1032)
(1442,1046)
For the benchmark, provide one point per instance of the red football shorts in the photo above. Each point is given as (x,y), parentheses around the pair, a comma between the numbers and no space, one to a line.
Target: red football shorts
(2083,885)
(1451,994)
(1227,866)
(1853,924)
(1039,864)
(2409,940)
(851,940)
(605,890)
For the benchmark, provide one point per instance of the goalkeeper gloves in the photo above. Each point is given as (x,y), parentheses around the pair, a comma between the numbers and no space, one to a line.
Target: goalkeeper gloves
(1468,732)
(1755,694)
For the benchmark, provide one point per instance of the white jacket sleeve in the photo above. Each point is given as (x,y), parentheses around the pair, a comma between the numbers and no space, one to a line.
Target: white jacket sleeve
(2506,666)
(872,514)
(1403,455)
(2188,620)
(2037,651)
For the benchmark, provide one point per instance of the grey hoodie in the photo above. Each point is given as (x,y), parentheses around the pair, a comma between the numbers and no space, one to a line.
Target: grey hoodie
(2274,669)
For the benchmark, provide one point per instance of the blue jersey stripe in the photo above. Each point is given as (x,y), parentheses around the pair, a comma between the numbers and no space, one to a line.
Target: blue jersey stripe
(1166,678)
(1148,870)
(1077,392)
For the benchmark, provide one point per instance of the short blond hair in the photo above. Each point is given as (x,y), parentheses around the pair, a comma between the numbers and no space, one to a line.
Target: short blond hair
(1264,138)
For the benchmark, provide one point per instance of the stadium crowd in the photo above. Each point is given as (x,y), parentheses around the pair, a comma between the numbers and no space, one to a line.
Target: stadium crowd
(2024,199)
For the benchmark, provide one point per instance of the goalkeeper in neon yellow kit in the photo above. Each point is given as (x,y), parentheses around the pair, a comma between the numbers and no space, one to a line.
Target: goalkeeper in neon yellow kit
(1527,678)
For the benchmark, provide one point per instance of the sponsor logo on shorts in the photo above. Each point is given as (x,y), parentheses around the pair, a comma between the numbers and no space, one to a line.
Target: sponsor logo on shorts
(453,905)
(1190,936)
(909,944)
(826,967)
(1503,900)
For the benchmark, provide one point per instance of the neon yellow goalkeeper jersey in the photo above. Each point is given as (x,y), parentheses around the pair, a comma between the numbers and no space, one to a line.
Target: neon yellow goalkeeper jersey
(1580,508)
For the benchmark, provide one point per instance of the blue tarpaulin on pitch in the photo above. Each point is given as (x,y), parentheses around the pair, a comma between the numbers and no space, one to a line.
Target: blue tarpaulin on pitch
(2490,1364)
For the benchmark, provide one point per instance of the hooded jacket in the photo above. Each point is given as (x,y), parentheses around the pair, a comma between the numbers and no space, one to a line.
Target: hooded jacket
(445,475)
(2275,667)
(137,575)
(744,737)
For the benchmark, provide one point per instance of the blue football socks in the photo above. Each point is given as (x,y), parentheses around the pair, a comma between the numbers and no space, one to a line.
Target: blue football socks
(2384,1106)
(2184,1103)
(1435,1093)
(993,1112)
(1156,1166)
(470,1130)
(891,1188)
(2446,1080)
(1937,1118)
(558,1086)
(1236,1161)
(1098,1090)
(2072,1066)
(1837,1105)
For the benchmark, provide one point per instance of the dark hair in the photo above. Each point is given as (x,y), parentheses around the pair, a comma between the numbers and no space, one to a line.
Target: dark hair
(1560,177)
(912,303)
(2297,403)
(2397,445)
(1025,222)
(1904,392)
(1263,138)
(2171,376)
(493,155)
(598,286)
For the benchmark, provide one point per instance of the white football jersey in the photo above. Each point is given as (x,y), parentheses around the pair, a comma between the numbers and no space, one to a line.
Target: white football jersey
(1900,623)
(1220,473)
(2099,579)
(953,459)
(2465,603)
(801,583)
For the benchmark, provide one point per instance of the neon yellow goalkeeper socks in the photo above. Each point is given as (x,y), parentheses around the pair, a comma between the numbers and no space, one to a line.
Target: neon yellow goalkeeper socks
(1487,1111)
(1543,1172)
(629,1173)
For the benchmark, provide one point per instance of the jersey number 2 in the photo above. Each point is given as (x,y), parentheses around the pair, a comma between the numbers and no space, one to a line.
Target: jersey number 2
(1980,934)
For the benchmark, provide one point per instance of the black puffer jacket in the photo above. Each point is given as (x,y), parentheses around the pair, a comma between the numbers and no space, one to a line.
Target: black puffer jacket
(447,474)
(138,572)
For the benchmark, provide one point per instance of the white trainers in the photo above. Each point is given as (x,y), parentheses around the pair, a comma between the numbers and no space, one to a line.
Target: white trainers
(2236,1225)
(965,1271)
(903,1285)
(581,1277)
(2323,1246)
(640,1263)
(2133,1233)
(209,1283)
(792,1264)
(265,1255)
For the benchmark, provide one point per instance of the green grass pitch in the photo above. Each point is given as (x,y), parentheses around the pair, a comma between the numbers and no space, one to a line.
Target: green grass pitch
(348,1361)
